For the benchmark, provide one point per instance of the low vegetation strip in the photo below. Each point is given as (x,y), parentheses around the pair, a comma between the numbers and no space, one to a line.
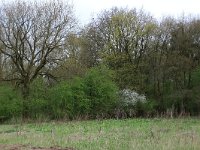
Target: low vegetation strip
(126,134)
(23,147)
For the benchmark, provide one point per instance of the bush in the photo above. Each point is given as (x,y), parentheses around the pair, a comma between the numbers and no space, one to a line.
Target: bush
(37,103)
(132,103)
(37,108)
(100,90)
(94,94)
(69,100)
(38,89)
(130,98)
(61,101)
(10,103)
(81,103)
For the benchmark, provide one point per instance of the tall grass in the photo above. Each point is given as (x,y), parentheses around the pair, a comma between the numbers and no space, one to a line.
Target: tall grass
(151,134)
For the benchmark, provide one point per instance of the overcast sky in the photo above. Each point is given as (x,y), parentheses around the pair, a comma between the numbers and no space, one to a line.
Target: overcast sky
(86,9)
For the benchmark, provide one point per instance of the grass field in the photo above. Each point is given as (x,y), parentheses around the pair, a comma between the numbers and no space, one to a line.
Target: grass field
(130,134)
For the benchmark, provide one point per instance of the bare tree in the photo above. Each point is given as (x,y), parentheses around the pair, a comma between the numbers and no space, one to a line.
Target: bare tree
(31,37)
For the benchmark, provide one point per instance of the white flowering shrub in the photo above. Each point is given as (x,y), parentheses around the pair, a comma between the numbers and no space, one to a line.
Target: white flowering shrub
(131,98)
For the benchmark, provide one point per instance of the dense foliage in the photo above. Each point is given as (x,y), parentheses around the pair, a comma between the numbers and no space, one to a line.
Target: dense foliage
(11,103)
(92,96)
(152,67)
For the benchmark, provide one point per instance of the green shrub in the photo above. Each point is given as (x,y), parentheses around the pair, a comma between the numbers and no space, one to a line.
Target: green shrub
(37,108)
(94,94)
(37,103)
(81,103)
(61,101)
(38,89)
(150,108)
(10,102)
(68,100)
(100,90)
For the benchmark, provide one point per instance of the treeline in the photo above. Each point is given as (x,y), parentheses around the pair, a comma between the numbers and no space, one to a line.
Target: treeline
(157,58)
(124,63)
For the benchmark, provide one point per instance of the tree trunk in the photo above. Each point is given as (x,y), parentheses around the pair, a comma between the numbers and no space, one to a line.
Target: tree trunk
(25,93)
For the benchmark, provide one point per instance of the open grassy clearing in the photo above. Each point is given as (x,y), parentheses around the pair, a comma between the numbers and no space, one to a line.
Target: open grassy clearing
(107,134)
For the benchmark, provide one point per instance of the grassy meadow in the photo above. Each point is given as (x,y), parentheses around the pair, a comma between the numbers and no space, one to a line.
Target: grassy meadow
(153,134)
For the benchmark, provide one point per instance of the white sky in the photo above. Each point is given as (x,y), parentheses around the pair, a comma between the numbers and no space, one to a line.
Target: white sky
(86,9)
